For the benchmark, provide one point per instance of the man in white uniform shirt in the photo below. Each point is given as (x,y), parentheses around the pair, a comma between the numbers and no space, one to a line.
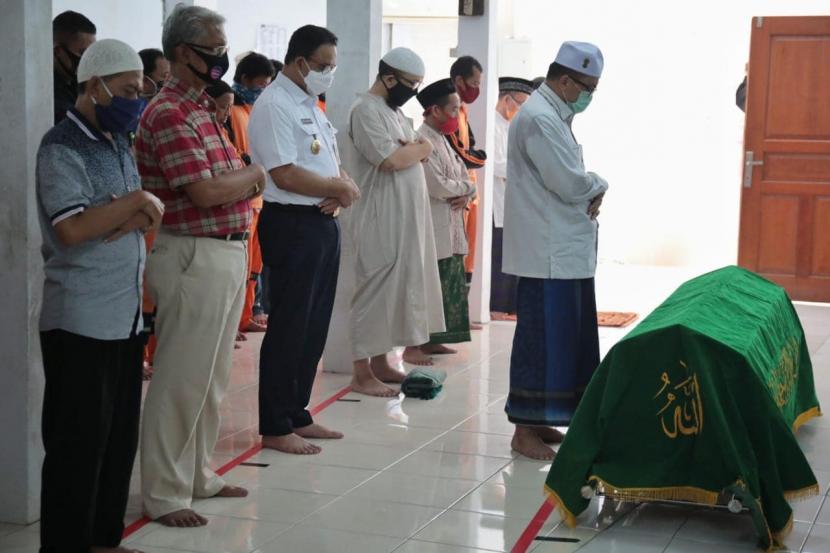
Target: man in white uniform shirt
(513,92)
(550,243)
(299,235)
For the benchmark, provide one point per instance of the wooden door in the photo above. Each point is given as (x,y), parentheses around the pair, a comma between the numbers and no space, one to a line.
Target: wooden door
(785,201)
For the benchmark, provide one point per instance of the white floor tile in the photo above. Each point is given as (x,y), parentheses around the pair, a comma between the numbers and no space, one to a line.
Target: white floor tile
(306,539)
(806,510)
(578,538)
(6,529)
(417,546)
(20,542)
(662,520)
(306,477)
(796,539)
(473,443)
(626,542)
(718,527)
(494,499)
(476,530)
(428,491)
(449,465)
(266,504)
(824,513)
(221,535)
(383,518)
(818,540)
(688,546)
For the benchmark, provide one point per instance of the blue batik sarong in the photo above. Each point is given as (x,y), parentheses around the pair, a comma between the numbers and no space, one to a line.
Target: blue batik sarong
(555,350)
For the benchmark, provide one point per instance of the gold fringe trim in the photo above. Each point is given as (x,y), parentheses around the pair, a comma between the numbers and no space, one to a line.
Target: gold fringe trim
(554,498)
(810,413)
(676,493)
(803,493)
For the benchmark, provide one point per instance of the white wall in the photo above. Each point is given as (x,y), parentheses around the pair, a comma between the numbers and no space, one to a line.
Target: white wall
(663,127)
(136,22)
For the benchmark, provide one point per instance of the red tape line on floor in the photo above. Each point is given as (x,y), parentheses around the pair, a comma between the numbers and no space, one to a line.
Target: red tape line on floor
(526,539)
(227,467)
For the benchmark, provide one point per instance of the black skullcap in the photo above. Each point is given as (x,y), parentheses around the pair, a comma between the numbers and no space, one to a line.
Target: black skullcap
(433,93)
(515,84)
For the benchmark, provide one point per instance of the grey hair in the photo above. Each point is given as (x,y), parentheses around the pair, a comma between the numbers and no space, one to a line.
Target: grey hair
(187,24)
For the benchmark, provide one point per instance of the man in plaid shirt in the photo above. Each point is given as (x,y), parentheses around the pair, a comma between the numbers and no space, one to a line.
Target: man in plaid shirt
(196,271)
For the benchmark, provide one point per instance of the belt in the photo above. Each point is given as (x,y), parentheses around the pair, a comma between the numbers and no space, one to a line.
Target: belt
(233,237)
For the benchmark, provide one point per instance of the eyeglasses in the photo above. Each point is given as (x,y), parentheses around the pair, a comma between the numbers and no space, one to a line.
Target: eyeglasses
(324,67)
(588,89)
(414,85)
(211,50)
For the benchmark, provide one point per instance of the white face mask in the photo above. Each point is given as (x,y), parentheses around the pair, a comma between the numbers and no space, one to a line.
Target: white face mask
(317,82)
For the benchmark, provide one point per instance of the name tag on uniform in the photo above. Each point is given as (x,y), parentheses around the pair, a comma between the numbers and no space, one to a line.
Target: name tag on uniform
(307,121)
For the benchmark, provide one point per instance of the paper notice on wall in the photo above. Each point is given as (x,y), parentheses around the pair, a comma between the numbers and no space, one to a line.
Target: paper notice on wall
(272,41)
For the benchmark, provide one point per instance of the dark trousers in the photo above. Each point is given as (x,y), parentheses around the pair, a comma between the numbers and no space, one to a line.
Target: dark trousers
(91,410)
(301,249)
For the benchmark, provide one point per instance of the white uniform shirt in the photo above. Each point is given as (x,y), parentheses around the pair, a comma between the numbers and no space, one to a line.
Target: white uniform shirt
(284,124)
(499,168)
(547,230)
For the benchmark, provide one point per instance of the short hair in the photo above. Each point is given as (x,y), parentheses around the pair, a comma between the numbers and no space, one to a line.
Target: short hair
(218,89)
(68,24)
(556,70)
(305,41)
(464,67)
(149,57)
(187,24)
(278,65)
(254,65)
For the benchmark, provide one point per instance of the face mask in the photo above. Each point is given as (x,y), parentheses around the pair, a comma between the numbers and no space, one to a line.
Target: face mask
(468,93)
(217,66)
(582,102)
(247,95)
(450,125)
(74,58)
(317,82)
(121,116)
(398,94)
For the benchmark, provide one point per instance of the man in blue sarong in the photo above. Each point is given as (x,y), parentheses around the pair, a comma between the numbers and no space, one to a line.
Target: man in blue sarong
(550,243)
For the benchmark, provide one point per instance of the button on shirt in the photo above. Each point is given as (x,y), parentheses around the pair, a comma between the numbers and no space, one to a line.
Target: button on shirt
(179,143)
(547,230)
(92,289)
(285,125)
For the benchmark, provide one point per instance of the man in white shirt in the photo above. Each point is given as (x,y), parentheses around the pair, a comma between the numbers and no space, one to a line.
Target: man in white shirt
(550,243)
(513,92)
(299,235)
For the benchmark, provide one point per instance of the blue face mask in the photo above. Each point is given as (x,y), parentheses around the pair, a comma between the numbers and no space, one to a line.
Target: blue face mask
(246,95)
(582,102)
(122,115)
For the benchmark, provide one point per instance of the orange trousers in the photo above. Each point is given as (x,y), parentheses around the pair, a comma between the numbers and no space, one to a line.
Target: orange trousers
(147,305)
(254,269)
(471,225)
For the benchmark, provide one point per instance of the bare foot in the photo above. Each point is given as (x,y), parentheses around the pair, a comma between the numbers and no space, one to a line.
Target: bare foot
(499,316)
(549,435)
(383,371)
(113,550)
(185,518)
(414,356)
(254,326)
(437,349)
(290,443)
(475,326)
(232,491)
(261,319)
(240,337)
(365,382)
(317,431)
(528,443)
(146,371)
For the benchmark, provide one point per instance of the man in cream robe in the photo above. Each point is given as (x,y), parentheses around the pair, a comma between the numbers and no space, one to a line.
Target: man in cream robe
(397,299)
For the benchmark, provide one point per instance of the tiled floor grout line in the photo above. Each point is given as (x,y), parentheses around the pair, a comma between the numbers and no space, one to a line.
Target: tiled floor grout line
(679,528)
(813,523)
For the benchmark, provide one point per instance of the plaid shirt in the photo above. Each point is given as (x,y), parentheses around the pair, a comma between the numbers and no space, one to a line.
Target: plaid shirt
(179,143)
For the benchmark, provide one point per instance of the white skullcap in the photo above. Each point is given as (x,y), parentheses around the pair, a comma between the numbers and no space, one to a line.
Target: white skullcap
(108,57)
(404,59)
(582,57)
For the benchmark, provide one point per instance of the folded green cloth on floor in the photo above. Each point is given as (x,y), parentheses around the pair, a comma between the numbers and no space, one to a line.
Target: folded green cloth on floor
(423,383)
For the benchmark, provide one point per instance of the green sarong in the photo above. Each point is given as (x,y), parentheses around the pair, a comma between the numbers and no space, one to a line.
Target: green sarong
(456,310)
(699,402)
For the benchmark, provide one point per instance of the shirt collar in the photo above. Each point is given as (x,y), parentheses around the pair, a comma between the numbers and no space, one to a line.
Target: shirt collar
(179,87)
(295,92)
(562,108)
(86,127)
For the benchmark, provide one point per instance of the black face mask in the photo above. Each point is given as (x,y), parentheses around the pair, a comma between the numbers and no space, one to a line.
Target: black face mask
(217,66)
(398,94)
(74,60)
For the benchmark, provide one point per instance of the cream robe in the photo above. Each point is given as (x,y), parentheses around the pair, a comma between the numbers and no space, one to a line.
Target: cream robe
(397,299)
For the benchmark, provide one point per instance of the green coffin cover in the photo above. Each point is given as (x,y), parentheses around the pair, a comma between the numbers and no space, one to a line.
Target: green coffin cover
(701,399)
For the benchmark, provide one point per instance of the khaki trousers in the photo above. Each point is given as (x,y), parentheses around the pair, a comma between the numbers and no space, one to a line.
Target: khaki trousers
(198,285)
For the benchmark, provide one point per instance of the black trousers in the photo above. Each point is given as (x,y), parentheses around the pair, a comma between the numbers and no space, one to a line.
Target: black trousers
(91,409)
(301,249)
